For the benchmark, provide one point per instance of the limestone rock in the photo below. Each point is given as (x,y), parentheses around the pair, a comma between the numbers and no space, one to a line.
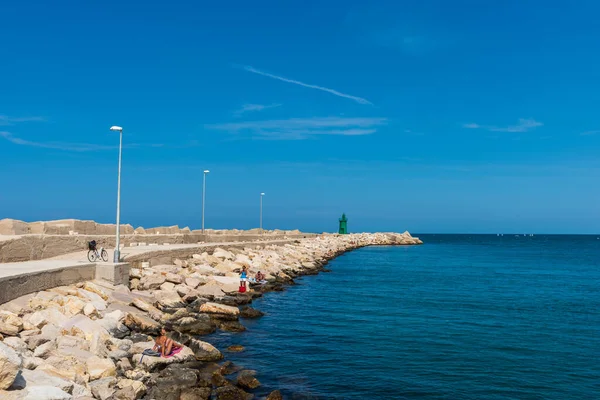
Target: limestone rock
(82,326)
(65,367)
(81,392)
(49,316)
(168,298)
(193,282)
(134,284)
(216,308)
(10,364)
(150,363)
(104,388)
(99,368)
(236,348)
(46,393)
(92,287)
(135,273)
(174,278)
(231,326)
(275,395)
(224,254)
(197,393)
(92,297)
(36,340)
(152,282)
(167,286)
(40,378)
(7,329)
(230,392)
(182,290)
(200,325)
(17,344)
(10,318)
(32,362)
(141,304)
(44,350)
(206,269)
(112,322)
(124,365)
(74,305)
(89,310)
(247,380)
(130,389)
(249,312)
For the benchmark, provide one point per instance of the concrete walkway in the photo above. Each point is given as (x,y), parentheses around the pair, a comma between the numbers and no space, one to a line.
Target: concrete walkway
(129,253)
(21,278)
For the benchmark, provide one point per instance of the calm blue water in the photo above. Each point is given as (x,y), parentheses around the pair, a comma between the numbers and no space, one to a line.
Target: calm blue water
(461,317)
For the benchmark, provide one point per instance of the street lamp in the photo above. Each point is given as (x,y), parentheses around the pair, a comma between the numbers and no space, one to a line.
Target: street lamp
(117,254)
(203,196)
(261,197)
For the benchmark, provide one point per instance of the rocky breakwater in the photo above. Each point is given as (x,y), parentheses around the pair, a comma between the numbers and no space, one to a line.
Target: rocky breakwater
(86,341)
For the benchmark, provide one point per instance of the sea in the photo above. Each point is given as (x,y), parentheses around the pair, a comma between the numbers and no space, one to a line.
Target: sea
(460,317)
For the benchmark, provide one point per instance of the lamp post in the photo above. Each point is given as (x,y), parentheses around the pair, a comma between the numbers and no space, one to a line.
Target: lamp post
(261,201)
(117,255)
(203,196)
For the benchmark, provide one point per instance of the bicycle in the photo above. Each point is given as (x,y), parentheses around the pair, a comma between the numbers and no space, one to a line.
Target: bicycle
(94,254)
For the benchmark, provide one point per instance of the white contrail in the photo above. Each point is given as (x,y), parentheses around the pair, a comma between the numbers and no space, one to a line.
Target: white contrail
(324,89)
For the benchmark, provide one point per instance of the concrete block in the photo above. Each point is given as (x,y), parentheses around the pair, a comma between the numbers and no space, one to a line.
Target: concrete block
(115,273)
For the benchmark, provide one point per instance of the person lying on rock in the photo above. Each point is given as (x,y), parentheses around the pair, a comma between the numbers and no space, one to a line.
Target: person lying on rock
(260,276)
(166,346)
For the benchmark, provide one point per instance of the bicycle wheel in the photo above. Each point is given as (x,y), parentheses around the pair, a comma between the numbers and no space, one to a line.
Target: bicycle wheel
(104,255)
(92,255)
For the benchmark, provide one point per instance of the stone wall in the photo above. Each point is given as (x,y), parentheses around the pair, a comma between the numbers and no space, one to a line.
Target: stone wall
(12,287)
(70,226)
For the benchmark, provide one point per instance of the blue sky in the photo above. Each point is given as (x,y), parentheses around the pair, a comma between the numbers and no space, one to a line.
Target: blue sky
(431,116)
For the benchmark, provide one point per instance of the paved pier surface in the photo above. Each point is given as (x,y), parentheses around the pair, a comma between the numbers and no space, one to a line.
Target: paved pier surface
(21,278)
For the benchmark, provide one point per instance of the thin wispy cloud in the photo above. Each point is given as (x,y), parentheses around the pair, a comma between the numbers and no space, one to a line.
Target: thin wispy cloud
(404,41)
(64,146)
(255,107)
(359,100)
(523,125)
(5,120)
(302,128)
(590,133)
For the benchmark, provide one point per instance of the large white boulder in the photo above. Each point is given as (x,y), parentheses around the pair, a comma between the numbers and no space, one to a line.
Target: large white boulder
(216,308)
(28,379)
(99,368)
(48,316)
(150,363)
(10,364)
(46,393)
(168,298)
(222,253)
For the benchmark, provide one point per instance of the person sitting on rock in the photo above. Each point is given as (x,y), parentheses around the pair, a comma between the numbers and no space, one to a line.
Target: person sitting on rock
(166,346)
(260,276)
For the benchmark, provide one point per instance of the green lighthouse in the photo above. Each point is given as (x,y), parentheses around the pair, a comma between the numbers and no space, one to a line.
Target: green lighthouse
(343,225)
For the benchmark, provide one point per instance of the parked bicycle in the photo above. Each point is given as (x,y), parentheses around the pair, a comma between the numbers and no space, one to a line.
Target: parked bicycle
(95,254)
